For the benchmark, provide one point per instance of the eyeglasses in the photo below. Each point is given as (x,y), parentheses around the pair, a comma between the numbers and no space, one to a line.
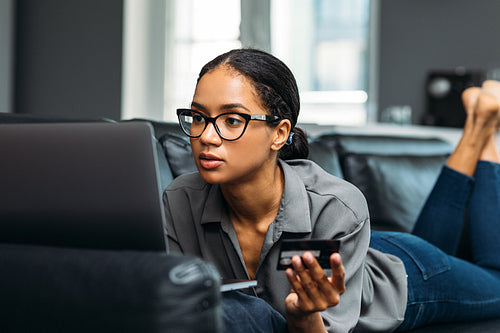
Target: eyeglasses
(230,126)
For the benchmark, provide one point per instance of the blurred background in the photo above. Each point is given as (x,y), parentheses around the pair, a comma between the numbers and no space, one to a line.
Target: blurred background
(357,62)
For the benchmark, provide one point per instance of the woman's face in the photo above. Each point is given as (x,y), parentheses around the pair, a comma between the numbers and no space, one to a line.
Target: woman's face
(220,161)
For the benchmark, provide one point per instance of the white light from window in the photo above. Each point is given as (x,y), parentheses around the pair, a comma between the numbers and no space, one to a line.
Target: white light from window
(202,31)
(334,97)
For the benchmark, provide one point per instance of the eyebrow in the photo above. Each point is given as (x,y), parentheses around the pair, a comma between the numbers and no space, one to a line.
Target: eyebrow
(223,107)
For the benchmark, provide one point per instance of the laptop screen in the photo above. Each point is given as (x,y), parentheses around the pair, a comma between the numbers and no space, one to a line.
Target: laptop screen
(88,185)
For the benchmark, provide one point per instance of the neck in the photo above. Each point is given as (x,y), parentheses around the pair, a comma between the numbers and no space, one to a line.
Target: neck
(257,200)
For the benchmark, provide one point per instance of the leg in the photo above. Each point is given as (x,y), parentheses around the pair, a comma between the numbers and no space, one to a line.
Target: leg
(248,314)
(484,206)
(441,219)
(484,215)
(441,288)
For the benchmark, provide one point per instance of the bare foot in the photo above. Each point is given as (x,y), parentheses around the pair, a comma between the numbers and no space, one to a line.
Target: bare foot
(490,151)
(480,128)
(469,99)
(493,88)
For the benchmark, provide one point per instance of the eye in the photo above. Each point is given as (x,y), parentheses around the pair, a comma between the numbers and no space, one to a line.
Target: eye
(233,120)
(197,118)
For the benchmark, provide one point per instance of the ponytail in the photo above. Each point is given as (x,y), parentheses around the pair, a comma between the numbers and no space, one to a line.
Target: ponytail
(298,148)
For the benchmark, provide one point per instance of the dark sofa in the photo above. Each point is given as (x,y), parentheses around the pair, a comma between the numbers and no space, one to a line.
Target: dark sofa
(395,167)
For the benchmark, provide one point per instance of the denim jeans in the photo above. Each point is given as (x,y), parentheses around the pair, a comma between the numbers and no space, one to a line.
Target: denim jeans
(249,314)
(441,287)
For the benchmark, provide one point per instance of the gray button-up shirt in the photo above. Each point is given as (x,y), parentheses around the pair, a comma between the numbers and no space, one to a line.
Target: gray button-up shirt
(314,205)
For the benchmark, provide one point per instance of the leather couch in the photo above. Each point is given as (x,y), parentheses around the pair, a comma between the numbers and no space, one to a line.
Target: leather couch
(395,168)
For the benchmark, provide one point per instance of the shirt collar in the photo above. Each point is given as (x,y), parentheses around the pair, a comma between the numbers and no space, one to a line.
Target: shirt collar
(214,209)
(293,215)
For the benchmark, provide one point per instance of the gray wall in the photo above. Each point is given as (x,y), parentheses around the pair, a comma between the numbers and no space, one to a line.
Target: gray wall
(6,37)
(68,53)
(68,58)
(421,35)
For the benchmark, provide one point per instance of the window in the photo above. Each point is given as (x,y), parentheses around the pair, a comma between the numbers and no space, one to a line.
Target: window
(201,31)
(324,42)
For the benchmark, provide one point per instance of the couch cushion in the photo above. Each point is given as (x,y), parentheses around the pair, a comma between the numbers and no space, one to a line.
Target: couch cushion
(166,175)
(178,153)
(324,153)
(394,173)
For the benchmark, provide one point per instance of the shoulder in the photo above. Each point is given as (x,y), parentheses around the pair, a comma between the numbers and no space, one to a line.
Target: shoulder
(187,182)
(186,189)
(329,194)
(318,181)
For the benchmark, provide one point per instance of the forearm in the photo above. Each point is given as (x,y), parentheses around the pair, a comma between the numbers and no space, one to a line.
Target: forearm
(312,323)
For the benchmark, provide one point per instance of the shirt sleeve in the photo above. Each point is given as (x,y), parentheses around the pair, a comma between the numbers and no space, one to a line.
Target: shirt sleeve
(353,249)
(339,211)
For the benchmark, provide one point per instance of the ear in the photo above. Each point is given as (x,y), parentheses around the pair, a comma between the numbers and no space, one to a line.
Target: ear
(280,134)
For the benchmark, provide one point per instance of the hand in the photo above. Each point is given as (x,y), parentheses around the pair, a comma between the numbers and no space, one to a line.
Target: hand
(312,291)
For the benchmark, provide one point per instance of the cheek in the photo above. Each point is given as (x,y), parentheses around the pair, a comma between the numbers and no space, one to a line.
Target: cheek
(251,152)
(244,155)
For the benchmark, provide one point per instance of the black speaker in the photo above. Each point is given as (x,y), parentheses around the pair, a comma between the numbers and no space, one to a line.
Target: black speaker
(443,90)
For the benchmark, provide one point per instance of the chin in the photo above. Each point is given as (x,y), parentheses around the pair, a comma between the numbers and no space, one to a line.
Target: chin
(210,177)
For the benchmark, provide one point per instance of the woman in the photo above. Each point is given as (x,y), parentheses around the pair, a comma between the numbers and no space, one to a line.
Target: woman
(245,199)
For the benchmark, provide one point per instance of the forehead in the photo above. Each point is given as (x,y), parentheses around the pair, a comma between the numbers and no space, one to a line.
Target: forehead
(224,85)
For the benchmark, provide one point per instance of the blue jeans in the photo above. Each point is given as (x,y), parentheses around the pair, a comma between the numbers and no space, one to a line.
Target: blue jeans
(249,314)
(441,287)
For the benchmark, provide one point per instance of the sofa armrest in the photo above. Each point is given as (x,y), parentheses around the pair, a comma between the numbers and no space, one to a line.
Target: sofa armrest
(76,290)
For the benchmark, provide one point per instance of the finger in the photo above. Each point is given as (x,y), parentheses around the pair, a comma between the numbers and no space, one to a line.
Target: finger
(308,287)
(326,289)
(303,301)
(311,276)
(338,273)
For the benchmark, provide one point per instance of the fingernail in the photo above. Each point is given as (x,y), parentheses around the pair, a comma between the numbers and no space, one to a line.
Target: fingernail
(297,261)
(308,258)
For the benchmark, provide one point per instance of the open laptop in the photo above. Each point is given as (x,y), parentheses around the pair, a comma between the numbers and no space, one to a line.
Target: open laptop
(86,185)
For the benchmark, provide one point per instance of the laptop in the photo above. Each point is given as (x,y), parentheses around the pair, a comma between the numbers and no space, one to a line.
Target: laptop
(84,185)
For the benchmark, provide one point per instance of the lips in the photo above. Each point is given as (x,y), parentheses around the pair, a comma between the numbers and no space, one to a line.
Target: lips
(209,161)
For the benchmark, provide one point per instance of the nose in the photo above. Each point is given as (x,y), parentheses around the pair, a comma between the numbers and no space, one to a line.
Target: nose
(210,135)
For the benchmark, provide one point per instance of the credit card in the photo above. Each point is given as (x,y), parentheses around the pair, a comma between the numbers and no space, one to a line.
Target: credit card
(320,248)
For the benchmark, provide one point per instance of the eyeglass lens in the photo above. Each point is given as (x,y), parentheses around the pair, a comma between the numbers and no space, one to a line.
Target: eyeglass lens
(230,125)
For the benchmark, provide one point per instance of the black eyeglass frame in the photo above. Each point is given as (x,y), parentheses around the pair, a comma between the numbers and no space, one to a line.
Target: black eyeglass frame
(246,116)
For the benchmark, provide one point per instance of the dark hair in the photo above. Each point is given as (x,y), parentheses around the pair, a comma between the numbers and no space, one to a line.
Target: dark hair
(276,86)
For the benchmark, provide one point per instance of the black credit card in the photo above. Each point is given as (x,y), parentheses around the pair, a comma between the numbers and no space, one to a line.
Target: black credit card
(320,248)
